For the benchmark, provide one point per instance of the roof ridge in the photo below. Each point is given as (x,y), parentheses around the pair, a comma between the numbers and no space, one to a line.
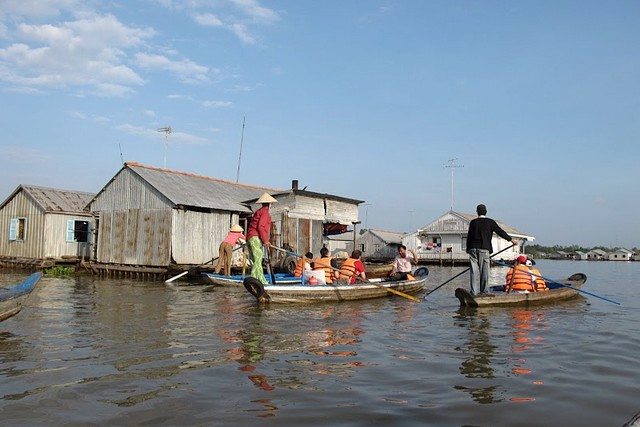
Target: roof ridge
(194,175)
(39,187)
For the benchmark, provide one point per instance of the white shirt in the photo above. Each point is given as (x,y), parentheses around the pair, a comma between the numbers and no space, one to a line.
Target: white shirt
(403,265)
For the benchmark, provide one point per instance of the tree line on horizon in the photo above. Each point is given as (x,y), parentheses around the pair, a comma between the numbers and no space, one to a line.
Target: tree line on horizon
(540,249)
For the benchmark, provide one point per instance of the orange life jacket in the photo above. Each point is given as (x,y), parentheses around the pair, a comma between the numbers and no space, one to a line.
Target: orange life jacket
(521,281)
(324,264)
(541,285)
(299,267)
(348,268)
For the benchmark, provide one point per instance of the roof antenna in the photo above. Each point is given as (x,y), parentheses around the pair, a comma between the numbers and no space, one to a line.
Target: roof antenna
(167,131)
(452,165)
(121,158)
(240,155)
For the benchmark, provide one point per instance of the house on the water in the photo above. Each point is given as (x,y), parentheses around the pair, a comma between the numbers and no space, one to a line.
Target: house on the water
(341,243)
(596,255)
(580,256)
(620,255)
(445,239)
(41,223)
(562,255)
(379,245)
(304,221)
(160,218)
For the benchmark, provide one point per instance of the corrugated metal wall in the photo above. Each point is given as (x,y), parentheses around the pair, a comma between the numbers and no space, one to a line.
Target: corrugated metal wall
(135,236)
(22,206)
(374,247)
(196,236)
(55,236)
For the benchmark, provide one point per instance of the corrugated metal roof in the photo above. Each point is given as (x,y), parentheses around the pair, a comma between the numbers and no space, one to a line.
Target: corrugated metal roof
(54,199)
(388,236)
(506,227)
(188,189)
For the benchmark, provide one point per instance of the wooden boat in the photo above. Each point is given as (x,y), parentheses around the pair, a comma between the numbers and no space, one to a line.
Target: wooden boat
(12,297)
(498,297)
(375,288)
(236,280)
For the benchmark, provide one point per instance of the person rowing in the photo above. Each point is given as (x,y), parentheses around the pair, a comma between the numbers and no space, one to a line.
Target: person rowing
(402,264)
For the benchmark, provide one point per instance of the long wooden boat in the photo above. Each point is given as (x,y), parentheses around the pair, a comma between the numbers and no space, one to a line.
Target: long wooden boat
(376,288)
(12,297)
(498,297)
(236,280)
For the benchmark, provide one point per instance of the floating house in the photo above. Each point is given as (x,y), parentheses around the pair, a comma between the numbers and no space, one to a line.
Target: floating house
(620,255)
(303,220)
(445,239)
(341,243)
(379,245)
(580,256)
(40,223)
(147,216)
(562,255)
(596,255)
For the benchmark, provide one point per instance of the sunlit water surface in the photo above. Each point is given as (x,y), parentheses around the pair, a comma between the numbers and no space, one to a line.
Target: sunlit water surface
(90,351)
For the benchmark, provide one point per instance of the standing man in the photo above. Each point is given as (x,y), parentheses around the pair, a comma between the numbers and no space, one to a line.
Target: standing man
(479,248)
(258,234)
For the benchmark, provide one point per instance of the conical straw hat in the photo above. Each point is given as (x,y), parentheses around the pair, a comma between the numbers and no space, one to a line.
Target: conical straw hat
(236,227)
(266,198)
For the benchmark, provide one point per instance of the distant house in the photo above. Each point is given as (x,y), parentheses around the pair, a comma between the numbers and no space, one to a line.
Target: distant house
(635,257)
(596,255)
(580,256)
(40,222)
(620,255)
(147,216)
(342,242)
(445,239)
(379,245)
(562,255)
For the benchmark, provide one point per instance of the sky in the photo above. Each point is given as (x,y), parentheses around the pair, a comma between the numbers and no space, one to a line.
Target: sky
(539,102)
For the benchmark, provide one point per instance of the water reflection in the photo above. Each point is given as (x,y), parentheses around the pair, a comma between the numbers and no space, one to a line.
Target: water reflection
(478,352)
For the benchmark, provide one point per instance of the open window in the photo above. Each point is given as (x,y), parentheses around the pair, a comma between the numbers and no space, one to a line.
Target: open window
(18,229)
(77,231)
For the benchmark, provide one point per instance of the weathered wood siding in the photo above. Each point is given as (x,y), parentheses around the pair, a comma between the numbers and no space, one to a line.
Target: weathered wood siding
(128,191)
(55,236)
(375,248)
(341,212)
(302,234)
(135,236)
(22,206)
(196,236)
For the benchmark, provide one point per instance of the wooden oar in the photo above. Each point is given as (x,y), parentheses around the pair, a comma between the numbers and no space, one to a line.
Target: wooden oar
(565,285)
(197,266)
(273,277)
(462,272)
(394,291)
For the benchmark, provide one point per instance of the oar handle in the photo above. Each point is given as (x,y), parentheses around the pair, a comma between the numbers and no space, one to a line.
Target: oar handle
(462,272)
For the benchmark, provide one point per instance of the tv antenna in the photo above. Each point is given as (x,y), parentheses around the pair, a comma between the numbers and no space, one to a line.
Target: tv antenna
(240,155)
(452,164)
(121,157)
(167,131)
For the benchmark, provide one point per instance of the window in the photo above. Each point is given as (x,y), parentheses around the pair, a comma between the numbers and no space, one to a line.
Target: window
(464,244)
(362,247)
(77,231)
(18,229)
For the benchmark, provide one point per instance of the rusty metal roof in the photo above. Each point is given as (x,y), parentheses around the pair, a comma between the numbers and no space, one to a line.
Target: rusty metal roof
(54,199)
(188,189)
(388,237)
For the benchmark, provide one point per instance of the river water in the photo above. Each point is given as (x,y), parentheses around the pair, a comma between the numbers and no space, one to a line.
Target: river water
(89,351)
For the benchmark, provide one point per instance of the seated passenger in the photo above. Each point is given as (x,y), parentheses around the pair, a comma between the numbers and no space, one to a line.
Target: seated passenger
(353,268)
(328,264)
(402,264)
(520,279)
(307,264)
(540,283)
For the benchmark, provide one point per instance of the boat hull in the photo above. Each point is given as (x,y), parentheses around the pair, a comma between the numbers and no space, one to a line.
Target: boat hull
(13,297)
(339,292)
(236,280)
(497,298)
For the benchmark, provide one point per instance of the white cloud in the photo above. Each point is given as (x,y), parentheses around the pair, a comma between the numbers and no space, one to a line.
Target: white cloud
(255,11)
(243,33)
(149,113)
(37,8)
(19,154)
(87,54)
(208,20)
(174,137)
(188,71)
(217,104)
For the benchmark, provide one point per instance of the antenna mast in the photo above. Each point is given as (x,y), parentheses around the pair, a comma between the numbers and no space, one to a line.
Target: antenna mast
(240,155)
(167,131)
(452,165)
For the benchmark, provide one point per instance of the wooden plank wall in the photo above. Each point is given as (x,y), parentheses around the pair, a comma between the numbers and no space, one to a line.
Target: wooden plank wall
(22,206)
(55,236)
(196,236)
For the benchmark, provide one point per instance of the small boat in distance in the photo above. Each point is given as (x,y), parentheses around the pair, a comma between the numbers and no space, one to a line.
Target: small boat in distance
(236,280)
(12,297)
(498,297)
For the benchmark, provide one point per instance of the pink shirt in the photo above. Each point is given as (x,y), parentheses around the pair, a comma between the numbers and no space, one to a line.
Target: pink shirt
(403,265)
(233,236)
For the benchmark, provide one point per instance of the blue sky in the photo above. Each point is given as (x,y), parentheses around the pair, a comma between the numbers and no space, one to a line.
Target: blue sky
(539,101)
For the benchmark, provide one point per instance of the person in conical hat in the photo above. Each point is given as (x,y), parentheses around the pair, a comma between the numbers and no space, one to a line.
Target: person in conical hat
(226,249)
(258,234)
